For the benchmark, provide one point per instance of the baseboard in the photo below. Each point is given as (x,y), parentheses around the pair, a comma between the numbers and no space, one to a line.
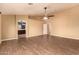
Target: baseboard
(37,36)
(33,36)
(17,38)
(9,39)
(65,37)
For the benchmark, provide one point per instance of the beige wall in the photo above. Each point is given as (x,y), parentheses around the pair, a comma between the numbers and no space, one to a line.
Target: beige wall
(66,24)
(35,27)
(8,27)
(0,28)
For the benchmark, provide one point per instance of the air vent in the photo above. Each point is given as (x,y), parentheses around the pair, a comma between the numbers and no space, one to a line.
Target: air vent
(30,3)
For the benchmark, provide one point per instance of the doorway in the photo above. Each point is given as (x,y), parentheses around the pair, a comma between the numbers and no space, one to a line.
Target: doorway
(21,29)
(45,29)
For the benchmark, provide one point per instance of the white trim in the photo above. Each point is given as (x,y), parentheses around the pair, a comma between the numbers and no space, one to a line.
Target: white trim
(65,37)
(9,39)
(35,35)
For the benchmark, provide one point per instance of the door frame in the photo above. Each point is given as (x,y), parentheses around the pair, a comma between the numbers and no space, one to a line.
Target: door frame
(25,28)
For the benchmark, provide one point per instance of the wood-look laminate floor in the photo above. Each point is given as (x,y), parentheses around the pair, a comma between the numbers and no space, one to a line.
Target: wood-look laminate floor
(41,45)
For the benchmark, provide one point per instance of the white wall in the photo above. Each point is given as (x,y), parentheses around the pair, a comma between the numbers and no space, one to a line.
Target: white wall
(66,23)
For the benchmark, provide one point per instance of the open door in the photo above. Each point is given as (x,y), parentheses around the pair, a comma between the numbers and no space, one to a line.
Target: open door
(21,29)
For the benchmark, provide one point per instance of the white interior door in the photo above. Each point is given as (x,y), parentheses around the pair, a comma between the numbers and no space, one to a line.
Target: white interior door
(45,29)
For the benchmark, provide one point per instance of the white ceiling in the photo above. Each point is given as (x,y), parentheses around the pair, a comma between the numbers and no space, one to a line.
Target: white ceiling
(35,9)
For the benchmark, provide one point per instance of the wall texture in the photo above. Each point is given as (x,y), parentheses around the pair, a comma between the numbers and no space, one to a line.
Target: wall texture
(8,27)
(0,28)
(66,24)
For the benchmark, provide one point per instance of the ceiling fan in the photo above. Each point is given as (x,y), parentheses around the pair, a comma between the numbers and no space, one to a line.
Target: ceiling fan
(44,17)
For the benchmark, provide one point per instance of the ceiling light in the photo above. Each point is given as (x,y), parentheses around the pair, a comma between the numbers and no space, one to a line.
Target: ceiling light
(45,18)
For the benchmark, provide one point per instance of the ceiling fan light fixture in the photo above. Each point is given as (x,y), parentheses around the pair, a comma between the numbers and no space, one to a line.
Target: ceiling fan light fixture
(45,18)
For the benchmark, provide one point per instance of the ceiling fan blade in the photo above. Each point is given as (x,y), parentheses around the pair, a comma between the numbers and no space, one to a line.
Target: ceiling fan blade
(51,15)
(35,17)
